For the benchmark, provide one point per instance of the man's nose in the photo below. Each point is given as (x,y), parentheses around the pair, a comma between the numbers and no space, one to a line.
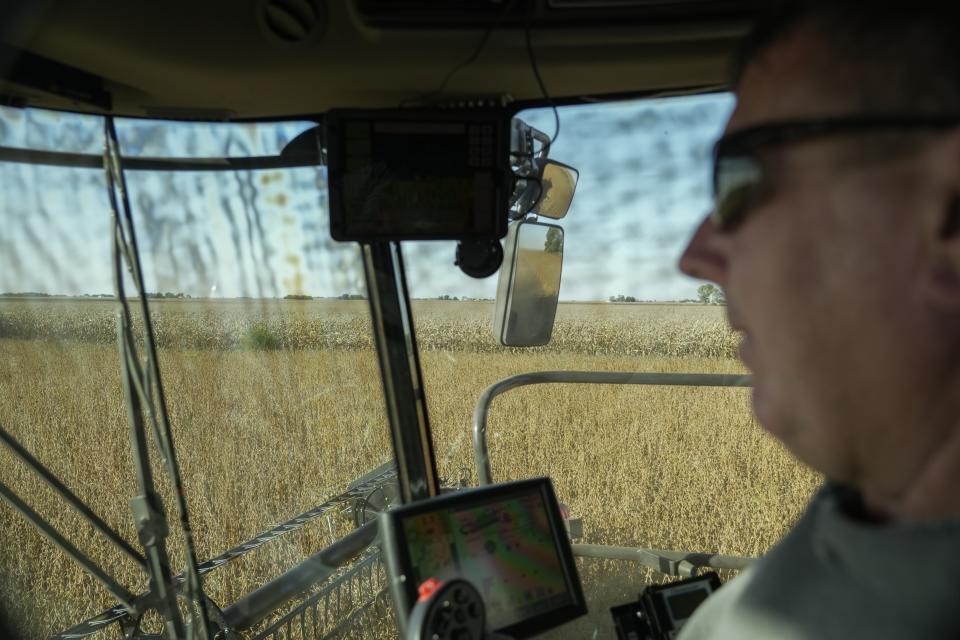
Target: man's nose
(705,256)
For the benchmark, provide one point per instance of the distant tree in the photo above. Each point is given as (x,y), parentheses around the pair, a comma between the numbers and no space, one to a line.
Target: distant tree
(554,242)
(711,294)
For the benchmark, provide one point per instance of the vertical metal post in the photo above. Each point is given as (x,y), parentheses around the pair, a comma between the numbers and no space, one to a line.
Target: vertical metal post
(146,404)
(400,369)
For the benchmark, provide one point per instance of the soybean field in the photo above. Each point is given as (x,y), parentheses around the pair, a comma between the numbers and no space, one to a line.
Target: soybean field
(276,405)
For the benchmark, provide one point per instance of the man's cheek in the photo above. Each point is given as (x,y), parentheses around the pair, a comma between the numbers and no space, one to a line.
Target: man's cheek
(765,409)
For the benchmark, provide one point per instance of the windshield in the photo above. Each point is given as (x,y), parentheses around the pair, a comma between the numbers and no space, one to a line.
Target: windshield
(265,355)
(659,467)
(271,383)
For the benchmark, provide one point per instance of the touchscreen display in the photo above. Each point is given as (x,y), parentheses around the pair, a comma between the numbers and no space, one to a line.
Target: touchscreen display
(415,179)
(507,548)
(682,605)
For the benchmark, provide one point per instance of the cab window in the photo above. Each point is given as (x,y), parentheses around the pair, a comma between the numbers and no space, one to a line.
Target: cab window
(264,345)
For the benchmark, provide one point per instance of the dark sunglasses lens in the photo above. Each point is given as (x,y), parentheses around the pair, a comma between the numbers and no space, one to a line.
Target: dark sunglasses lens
(736,186)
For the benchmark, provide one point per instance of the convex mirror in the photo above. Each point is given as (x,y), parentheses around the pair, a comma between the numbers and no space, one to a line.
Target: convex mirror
(558,182)
(529,286)
(547,191)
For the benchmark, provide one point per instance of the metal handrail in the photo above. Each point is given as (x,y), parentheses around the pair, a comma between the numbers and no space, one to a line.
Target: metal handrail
(70,497)
(481,451)
(115,588)
(675,563)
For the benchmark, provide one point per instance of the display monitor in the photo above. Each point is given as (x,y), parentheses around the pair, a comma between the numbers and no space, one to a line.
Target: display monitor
(507,540)
(418,175)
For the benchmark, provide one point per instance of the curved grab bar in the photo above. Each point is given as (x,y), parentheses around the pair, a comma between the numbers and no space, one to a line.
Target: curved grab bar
(481,452)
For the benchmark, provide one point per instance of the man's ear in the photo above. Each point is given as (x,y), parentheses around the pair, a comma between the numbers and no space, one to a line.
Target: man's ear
(941,223)
(943,277)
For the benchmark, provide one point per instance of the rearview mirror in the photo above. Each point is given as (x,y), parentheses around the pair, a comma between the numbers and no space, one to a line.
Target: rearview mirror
(529,286)
(558,182)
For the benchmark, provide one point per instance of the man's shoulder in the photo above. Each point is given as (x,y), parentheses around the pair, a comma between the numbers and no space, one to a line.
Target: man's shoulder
(722,617)
(728,614)
(833,576)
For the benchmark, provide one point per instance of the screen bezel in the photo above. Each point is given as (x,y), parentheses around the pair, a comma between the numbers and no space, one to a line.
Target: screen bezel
(685,590)
(334,124)
(465,498)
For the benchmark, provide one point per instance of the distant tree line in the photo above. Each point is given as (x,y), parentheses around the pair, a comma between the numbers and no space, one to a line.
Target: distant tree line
(706,294)
(458,299)
(169,295)
(30,294)
(179,296)
(35,294)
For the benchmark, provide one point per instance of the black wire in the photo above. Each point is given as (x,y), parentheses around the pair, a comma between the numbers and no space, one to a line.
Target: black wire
(469,60)
(536,74)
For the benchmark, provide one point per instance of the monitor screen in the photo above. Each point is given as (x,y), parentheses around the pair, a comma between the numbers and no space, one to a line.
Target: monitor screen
(402,176)
(682,605)
(508,541)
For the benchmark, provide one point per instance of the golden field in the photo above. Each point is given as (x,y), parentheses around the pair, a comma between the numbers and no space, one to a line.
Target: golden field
(276,406)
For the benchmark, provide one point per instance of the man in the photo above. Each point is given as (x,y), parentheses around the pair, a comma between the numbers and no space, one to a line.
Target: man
(836,238)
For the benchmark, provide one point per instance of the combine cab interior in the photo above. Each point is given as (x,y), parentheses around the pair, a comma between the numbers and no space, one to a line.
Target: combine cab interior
(296,402)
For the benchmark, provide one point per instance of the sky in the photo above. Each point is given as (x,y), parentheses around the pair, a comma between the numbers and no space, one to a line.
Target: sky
(644,185)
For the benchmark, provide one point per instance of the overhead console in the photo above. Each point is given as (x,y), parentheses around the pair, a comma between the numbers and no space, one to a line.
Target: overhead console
(540,13)
(506,541)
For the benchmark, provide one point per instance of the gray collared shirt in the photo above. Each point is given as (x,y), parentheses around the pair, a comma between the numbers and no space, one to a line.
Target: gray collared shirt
(838,576)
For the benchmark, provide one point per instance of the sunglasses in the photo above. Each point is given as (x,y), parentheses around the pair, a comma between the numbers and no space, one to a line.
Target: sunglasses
(738,176)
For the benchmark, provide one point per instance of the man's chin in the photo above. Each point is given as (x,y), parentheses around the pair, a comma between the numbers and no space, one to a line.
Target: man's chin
(802,438)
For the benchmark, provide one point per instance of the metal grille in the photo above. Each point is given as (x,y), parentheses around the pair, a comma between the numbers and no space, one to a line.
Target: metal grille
(335,606)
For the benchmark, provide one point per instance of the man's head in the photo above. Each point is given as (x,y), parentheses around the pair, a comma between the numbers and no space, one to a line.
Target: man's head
(843,267)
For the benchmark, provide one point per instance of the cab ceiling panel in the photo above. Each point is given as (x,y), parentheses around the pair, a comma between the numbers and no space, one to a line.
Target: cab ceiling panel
(241,59)
(541,13)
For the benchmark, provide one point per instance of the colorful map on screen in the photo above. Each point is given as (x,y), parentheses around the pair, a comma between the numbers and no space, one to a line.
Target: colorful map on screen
(505,548)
